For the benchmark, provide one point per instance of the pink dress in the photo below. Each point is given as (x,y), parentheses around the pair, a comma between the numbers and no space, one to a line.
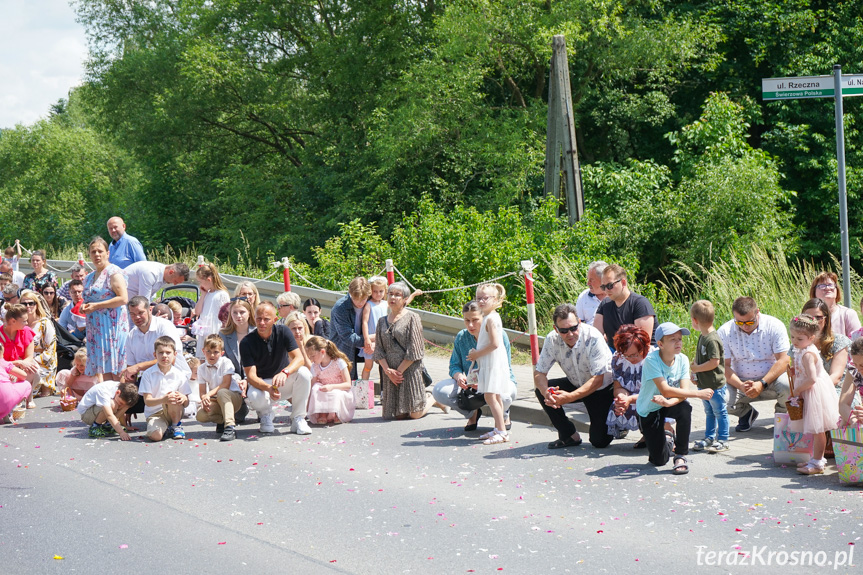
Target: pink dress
(337,401)
(820,404)
(11,393)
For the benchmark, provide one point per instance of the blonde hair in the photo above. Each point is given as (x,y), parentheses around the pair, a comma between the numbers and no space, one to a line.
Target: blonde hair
(318,343)
(378,281)
(210,271)
(176,308)
(81,354)
(702,311)
(300,317)
(42,309)
(250,285)
(214,341)
(230,326)
(359,287)
(497,289)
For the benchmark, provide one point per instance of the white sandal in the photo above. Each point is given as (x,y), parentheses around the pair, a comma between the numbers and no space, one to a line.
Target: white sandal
(496,438)
(488,435)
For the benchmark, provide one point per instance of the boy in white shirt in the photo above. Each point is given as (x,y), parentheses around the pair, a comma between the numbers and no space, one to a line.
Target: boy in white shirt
(221,396)
(165,389)
(103,405)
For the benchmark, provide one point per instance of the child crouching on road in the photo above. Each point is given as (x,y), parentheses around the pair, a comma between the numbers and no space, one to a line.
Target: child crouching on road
(104,404)
(165,389)
(665,386)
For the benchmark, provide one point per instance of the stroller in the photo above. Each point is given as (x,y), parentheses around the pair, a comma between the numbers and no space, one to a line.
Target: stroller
(67,345)
(188,306)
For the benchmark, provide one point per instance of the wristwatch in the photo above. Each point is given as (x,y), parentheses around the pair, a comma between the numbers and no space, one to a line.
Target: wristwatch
(763,383)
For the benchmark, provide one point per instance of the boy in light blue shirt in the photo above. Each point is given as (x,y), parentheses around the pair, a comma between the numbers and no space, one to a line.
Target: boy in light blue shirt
(665,386)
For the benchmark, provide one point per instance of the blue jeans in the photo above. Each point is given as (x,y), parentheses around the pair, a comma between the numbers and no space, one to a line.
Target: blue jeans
(716,409)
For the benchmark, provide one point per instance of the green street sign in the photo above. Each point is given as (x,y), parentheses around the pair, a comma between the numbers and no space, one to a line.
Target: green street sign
(810,87)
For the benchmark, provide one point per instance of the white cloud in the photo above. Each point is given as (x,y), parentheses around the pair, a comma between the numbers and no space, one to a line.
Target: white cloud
(42,54)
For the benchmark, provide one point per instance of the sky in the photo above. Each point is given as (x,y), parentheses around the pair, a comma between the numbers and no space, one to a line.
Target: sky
(42,53)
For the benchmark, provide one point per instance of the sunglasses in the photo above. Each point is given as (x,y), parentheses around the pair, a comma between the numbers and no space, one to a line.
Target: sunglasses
(240,298)
(749,323)
(606,287)
(29,303)
(565,330)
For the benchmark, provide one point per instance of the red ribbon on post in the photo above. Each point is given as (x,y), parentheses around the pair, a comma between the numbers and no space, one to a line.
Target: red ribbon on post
(391,276)
(286,273)
(527,268)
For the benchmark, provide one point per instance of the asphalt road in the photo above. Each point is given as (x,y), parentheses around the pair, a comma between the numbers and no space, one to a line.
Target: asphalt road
(399,497)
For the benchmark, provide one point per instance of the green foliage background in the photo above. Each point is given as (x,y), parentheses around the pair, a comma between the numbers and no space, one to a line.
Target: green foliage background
(340,133)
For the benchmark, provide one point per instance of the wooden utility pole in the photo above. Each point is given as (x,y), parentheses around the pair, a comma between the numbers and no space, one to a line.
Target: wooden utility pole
(560,149)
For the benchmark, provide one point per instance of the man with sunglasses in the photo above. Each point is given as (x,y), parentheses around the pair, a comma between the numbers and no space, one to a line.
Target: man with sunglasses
(588,301)
(622,306)
(756,359)
(580,351)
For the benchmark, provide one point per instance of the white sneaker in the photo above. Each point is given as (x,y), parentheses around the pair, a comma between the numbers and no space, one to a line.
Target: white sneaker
(300,427)
(267,422)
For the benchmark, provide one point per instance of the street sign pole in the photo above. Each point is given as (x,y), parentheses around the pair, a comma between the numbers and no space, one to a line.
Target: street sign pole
(843,196)
(836,87)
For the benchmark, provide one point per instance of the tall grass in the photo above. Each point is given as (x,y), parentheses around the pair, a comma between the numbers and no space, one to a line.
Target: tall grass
(780,287)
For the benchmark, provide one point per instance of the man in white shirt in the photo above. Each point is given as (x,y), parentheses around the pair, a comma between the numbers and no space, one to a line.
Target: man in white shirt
(589,299)
(67,319)
(756,359)
(582,354)
(139,346)
(147,278)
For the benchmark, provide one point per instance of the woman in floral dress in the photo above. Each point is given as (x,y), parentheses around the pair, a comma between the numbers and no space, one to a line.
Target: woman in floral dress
(105,300)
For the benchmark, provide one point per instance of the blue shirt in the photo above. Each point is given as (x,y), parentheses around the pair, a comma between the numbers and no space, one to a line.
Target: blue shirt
(654,367)
(67,320)
(464,342)
(126,251)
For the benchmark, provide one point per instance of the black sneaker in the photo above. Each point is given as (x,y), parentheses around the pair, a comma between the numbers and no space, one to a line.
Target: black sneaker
(220,427)
(229,434)
(745,422)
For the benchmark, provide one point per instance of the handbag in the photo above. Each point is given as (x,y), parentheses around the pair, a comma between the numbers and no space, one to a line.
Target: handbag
(848,446)
(794,404)
(469,399)
(364,393)
(789,446)
(427,378)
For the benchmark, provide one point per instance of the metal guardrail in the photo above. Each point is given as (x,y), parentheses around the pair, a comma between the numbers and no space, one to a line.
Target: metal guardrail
(437,327)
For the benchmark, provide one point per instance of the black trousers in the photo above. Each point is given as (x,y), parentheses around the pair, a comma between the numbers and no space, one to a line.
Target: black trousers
(653,428)
(597,404)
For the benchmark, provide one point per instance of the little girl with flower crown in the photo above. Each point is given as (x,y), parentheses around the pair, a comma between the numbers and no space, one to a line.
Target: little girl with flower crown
(814,386)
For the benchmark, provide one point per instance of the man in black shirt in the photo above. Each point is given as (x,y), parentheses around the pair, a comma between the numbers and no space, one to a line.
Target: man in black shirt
(622,307)
(274,364)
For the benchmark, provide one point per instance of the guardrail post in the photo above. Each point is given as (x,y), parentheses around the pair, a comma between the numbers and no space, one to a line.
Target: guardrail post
(391,276)
(81,259)
(200,261)
(286,273)
(527,268)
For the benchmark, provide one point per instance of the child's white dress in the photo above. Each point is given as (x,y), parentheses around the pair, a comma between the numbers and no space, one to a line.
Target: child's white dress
(337,401)
(493,376)
(820,405)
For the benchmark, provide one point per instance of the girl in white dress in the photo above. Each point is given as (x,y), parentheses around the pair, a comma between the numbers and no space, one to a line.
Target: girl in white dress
(813,384)
(490,355)
(213,296)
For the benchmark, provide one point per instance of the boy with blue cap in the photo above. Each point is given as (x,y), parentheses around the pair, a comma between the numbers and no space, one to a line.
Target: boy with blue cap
(665,387)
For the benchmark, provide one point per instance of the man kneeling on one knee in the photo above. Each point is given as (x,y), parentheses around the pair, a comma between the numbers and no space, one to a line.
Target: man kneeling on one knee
(274,364)
(584,357)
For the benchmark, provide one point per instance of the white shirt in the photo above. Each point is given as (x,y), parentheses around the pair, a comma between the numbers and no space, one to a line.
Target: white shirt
(588,358)
(100,394)
(144,278)
(139,345)
(18,279)
(159,384)
(752,355)
(585,306)
(212,375)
